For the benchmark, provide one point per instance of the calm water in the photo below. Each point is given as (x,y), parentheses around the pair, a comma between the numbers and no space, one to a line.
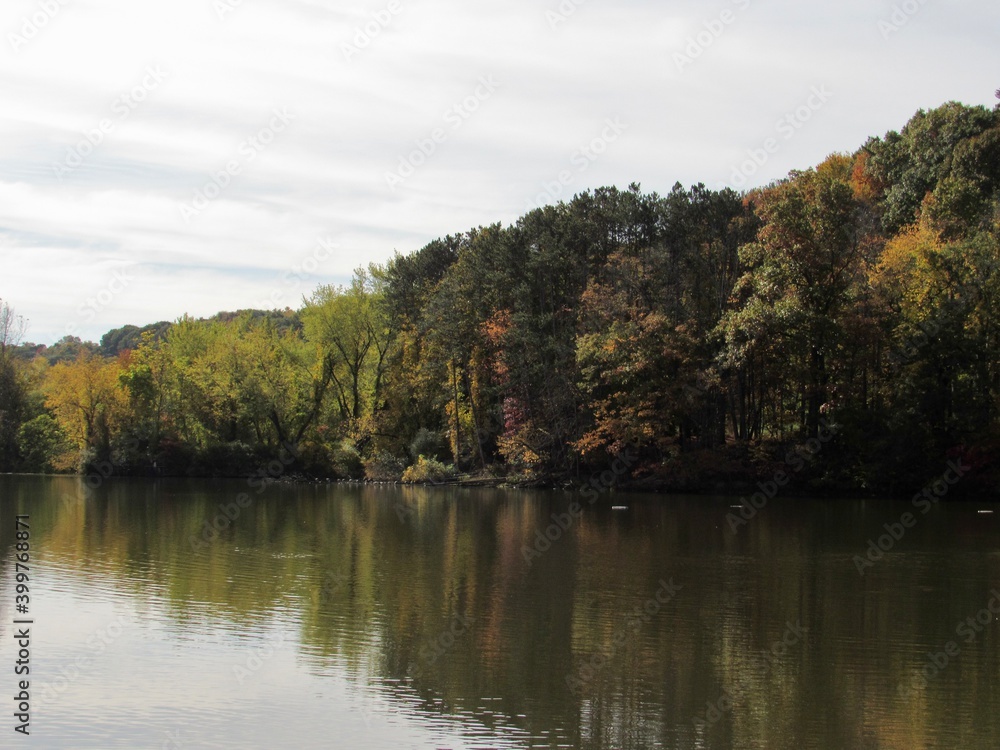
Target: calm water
(370,617)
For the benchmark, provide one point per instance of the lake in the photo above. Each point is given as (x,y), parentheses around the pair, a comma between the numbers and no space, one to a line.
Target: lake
(212,614)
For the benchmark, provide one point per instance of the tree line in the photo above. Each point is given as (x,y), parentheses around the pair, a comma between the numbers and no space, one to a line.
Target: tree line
(706,331)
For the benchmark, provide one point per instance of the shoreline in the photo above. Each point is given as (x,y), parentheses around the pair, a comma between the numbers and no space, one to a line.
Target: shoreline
(664,489)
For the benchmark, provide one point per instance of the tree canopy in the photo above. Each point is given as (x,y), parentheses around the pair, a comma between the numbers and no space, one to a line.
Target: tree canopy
(710,332)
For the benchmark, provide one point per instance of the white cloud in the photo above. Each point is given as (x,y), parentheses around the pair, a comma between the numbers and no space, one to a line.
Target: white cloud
(325,175)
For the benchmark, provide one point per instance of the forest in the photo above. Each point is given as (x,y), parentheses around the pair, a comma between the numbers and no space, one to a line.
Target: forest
(847,316)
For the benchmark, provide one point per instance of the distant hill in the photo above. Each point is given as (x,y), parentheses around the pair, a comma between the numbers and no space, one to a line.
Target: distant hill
(129,337)
(66,349)
(283,320)
(117,340)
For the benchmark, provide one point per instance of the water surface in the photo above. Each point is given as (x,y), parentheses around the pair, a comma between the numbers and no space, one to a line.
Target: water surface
(338,616)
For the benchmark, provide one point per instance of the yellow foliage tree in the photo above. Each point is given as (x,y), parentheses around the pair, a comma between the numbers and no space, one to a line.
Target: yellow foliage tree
(88,401)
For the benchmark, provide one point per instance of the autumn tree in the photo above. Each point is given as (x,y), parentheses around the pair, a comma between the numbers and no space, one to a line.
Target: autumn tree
(89,403)
(352,331)
(804,277)
(13,388)
(634,361)
(907,165)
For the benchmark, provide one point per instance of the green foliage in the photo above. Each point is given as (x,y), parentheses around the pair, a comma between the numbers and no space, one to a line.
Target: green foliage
(348,324)
(384,467)
(347,463)
(428,471)
(130,337)
(67,349)
(428,443)
(799,294)
(909,164)
(705,331)
(42,443)
(13,398)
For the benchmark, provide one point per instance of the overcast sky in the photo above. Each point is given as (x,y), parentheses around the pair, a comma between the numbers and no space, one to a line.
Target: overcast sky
(194,156)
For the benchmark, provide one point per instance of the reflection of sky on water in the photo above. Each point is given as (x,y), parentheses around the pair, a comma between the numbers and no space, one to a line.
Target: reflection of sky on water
(351,599)
(113,668)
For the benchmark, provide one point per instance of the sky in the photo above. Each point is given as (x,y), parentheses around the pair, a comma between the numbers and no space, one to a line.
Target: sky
(192,156)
